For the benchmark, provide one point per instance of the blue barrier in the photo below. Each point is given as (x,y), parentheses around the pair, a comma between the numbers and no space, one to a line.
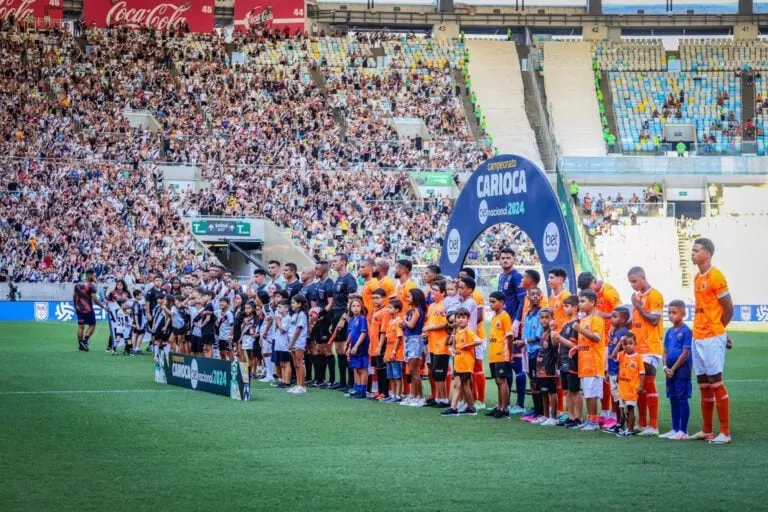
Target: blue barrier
(41,311)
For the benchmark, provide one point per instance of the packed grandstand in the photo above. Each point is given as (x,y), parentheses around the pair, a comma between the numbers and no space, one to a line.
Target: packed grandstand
(311,132)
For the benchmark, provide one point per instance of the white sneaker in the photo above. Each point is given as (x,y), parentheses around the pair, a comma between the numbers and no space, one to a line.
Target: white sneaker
(407,400)
(668,435)
(266,380)
(679,436)
(649,432)
(299,390)
(539,420)
(551,422)
(479,405)
(721,439)
(417,402)
(292,389)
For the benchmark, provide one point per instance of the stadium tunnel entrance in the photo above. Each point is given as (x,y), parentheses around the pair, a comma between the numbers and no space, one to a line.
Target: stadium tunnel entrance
(508,190)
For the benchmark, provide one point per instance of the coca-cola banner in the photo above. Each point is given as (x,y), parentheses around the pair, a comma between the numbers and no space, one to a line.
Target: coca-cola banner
(277,14)
(156,14)
(21,10)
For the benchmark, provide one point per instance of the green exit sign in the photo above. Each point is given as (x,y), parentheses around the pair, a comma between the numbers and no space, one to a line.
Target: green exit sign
(683,193)
(221,228)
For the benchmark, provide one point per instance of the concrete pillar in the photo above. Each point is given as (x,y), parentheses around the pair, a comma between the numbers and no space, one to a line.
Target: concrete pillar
(614,33)
(746,8)
(446,30)
(594,32)
(594,7)
(745,31)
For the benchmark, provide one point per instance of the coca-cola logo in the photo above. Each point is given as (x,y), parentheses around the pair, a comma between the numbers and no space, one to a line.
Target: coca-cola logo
(20,11)
(259,17)
(160,17)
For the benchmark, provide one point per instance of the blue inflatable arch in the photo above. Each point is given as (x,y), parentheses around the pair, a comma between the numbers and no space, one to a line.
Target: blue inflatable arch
(509,189)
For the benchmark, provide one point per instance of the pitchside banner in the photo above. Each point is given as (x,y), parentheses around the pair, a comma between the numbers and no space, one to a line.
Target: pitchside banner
(277,14)
(38,9)
(152,14)
(217,376)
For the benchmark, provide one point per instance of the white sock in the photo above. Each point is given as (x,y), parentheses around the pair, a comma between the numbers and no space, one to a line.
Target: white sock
(270,367)
(216,353)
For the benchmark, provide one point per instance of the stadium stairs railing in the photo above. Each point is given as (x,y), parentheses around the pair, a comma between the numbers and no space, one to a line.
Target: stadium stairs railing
(582,245)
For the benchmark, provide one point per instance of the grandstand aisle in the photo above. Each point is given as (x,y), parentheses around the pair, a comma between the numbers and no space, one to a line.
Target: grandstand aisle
(495,71)
(572,104)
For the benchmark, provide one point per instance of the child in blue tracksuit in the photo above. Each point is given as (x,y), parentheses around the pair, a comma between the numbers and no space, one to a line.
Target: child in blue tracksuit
(532,341)
(677,369)
(357,346)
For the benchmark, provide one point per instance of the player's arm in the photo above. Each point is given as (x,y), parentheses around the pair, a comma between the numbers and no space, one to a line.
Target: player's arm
(591,336)
(642,379)
(726,302)
(651,317)
(413,320)
(616,350)
(95,299)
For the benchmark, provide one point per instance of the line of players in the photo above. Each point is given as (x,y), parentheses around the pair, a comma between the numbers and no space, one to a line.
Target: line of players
(571,349)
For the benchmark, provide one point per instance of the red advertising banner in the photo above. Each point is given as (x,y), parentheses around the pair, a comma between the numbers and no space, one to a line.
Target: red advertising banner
(155,14)
(21,10)
(275,14)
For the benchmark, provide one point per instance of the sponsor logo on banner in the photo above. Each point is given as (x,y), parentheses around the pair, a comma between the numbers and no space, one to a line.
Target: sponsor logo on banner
(41,311)
(20,10)
(551,241)
(161,17)
(64,311)
(226,378)
(746,313)
(454,245)
(762,313)
(194,372)
(259,17)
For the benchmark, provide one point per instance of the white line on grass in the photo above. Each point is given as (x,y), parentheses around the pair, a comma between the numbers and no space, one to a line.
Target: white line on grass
(99,391)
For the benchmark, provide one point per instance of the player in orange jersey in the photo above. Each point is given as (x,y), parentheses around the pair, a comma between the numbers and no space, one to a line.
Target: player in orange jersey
(478,375)
(386,282)
(371,283)
(556,279)
(607,300)
(631,376)
(378,329)
(464,342)
(436,332)
(648,328)
(591,350)
(713,312)
(500,353)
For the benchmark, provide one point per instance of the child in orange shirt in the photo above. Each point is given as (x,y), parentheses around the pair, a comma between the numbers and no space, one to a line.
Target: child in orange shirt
(394,351)
(464,341)
(631,377)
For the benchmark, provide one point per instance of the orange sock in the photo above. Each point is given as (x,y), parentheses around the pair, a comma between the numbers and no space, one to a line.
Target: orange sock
(431,387)
(560,398)
(707,407)
(641,414)
(652,400)
(478,382)
(605,403)
(723,404)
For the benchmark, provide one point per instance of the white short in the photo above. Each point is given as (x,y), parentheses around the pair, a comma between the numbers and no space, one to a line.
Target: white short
(614,380)
(267,346)
(709,355)
(624,403)
(480,351)
(592,387)
(652,360)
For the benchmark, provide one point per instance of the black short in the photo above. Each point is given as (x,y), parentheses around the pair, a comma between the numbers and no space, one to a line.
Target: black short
(188,337)
(208,339)
(464,377)
(439,366)
(321,332)
(341,334)
(254,352)
(139,331)
(281,356)
(501,370)
(225,345)
(570,382)
(179,332)
(197,344)
(162,337)
(548,384)
(378,362)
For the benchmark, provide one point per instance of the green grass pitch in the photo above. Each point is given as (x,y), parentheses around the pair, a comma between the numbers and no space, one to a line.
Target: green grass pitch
(94,432)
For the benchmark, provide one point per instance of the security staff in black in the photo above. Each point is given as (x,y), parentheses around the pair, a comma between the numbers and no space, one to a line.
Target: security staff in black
(344,286)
